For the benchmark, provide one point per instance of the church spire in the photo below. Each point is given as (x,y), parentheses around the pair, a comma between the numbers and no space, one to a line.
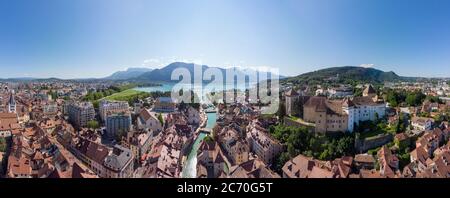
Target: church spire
(12,103)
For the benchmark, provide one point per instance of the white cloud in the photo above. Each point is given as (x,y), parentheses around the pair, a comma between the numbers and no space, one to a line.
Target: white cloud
(153,62)
(367,65)
(164,61)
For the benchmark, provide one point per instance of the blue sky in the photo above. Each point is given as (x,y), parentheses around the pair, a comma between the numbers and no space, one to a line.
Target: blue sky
(94,38)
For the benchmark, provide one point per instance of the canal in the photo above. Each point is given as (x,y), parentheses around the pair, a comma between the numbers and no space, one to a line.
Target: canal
(190,167)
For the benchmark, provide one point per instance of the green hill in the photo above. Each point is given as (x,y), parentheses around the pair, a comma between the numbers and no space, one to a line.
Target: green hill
(346,74)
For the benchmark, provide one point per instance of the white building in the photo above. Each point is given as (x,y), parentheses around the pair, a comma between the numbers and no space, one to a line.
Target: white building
(421,123)
(106,107)
(148,120)
(362,109)
(367,107)
(340,92)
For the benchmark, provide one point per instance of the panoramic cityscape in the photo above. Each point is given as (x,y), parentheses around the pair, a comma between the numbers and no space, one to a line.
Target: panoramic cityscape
(144,89)
(331,123)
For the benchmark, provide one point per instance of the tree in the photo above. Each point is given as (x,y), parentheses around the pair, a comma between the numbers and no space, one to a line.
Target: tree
(280,160)
(208,139)
(438,119)
(300,140)
(415,98)
(146,105)
(96,104)
(3,144)
(434,99)
(93,124)
(392,98)
(161,119)
(281,111)
(411,100)
(120,134)
(53,94)
(357,92)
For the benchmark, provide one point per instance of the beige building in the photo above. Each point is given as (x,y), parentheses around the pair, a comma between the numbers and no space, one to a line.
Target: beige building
(263,144)
(327,115)
(235,148)
(342,115)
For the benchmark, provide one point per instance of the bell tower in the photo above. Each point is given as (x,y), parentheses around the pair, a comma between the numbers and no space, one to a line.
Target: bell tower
(12,107)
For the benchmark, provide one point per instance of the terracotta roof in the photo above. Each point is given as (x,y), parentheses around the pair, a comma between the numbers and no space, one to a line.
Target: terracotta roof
(365,100)
(38,156)
(420,154)
(317,172)
(401,136)
(146,115)
(8,121)
(78,172)
(319,103)
(322,104)
(94,151)
(19,166)
(262,172)
(299,167)
(347,103)
(252,169)
(421,120)
(364,158)
(370,174)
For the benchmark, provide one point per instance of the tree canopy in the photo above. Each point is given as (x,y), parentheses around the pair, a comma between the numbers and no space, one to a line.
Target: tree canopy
(299,140)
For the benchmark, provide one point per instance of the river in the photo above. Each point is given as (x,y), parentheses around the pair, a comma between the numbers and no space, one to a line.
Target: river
(190,167)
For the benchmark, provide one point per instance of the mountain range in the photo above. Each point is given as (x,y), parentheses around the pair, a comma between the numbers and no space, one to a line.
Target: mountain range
(345,74)
(127,74)
(164,74)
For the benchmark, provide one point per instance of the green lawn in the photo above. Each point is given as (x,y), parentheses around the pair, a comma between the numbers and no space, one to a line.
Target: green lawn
(294,117)
(124,95)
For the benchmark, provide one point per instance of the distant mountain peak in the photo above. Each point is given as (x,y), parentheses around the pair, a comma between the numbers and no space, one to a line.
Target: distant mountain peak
(131,72)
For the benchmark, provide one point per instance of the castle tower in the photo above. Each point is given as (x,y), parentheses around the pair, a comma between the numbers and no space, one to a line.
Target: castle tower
(12,104)
(292,98)
(369,91)
(348,107)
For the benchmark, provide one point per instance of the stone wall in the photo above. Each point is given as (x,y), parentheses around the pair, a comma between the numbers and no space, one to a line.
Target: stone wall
(363,145)
(292,123)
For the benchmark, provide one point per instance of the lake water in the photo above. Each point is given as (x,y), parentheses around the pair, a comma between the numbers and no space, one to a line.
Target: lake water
(163,88)
(196,87)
